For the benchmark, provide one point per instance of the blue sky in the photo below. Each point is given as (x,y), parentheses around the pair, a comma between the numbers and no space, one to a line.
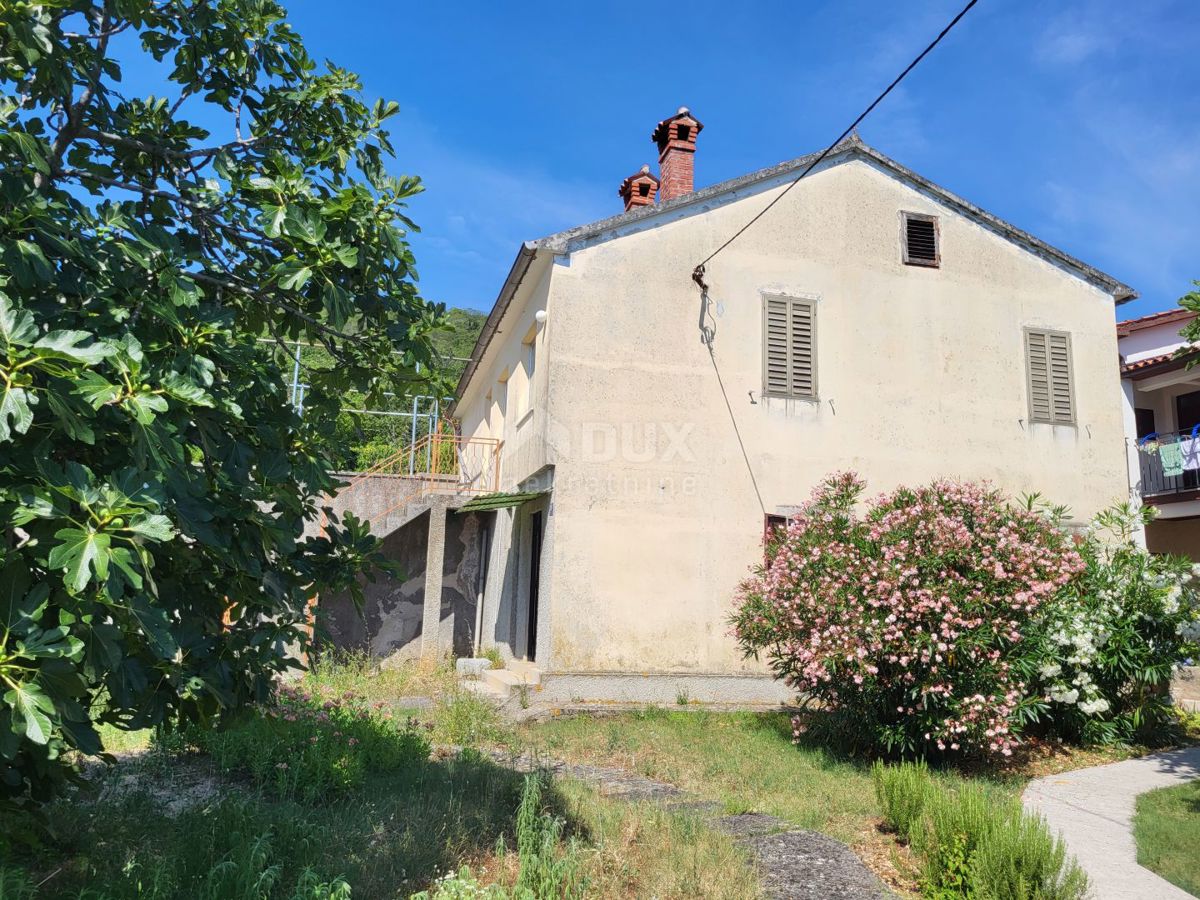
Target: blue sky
(1078,120)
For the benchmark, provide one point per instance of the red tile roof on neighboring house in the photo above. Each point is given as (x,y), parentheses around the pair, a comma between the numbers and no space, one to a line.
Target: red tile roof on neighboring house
(1146,363)
(1166,317)
(1165,361)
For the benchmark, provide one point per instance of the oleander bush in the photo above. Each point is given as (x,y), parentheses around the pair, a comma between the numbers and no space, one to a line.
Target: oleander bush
(905,622)
(305,748)
(1103,653)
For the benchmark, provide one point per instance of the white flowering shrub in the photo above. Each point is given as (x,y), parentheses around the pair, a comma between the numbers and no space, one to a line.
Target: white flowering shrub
(1104,652)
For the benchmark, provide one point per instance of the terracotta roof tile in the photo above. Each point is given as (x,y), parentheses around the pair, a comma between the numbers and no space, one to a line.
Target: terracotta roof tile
(1151,362)
(1166,317)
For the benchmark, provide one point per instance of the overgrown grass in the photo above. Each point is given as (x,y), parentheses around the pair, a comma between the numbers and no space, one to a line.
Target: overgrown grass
(390,838)
(395,835)
(1166,826)
(300,746)
(465,719)
(746,761)
(334,672)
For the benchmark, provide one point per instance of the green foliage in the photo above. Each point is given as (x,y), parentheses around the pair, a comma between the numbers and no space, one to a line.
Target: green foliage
(234,856)
(15,885)
(1021,860)
(546,874)
(493,655)
(974,841)
(548,870)
(1167,830)
(467,719)
(1102,655)
(1191,301)
(302,748)
(902,791)
(154,472)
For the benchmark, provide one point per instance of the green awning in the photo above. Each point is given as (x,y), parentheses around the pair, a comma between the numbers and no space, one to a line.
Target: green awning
(489,502)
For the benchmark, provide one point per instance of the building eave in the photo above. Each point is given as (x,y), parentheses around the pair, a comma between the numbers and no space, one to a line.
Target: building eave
(520,268)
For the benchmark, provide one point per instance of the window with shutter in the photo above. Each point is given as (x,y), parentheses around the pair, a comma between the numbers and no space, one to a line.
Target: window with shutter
(1048,373)
(789,347)
(919,239)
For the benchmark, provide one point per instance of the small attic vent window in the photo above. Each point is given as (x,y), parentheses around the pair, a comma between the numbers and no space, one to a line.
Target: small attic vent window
(919,238)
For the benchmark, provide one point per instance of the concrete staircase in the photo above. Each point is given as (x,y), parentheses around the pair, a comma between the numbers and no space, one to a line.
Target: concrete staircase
(517,682)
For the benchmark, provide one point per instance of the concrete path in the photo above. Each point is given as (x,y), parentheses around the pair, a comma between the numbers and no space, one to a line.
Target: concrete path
(1093,809)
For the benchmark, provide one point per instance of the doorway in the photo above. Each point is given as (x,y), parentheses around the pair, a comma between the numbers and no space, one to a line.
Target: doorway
(535,575)
(1187,417)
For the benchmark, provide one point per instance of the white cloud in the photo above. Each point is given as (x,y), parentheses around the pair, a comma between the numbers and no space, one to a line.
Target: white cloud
(1067,42)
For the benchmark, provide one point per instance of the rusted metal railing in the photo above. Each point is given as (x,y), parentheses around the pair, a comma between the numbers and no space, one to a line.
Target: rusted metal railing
(439,463)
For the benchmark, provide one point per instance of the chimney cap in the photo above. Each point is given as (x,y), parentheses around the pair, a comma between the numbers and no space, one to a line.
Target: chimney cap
(660,130)
(641,175)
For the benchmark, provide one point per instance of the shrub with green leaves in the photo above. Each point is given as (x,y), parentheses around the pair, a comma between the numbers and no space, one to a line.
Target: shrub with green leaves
(975,842)
(902,791)
(160,243)
(1103,653)
(904,616)
(309,749)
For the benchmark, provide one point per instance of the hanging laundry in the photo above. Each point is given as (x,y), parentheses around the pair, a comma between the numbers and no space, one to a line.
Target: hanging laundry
(1171,456)
(1190,448)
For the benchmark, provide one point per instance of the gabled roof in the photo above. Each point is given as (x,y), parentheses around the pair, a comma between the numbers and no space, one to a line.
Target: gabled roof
(1166,317)
(851,148)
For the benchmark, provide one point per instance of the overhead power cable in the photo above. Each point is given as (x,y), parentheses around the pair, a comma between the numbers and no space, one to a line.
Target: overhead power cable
(698,272)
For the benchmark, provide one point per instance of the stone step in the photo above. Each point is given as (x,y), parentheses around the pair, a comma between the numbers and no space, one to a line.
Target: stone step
(508,680)
(527,670)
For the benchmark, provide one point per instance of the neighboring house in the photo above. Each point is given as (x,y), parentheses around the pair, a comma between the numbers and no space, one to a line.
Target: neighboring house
(1162,421)
(648,431)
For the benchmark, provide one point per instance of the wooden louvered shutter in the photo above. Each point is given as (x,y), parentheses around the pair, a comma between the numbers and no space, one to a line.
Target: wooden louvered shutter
(803,342)
(1062,406)
(789,347)
(1048,365)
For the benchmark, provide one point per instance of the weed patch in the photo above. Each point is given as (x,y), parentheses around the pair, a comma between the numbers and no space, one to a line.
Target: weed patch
(302,748)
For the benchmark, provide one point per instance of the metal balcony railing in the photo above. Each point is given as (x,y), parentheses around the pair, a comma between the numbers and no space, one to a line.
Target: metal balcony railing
(439,463)
(1169,463)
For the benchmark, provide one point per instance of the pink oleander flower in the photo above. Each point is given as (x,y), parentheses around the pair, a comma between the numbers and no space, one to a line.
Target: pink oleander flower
(906,614)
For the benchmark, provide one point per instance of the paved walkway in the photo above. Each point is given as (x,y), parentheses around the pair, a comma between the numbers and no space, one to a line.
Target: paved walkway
(1093,809)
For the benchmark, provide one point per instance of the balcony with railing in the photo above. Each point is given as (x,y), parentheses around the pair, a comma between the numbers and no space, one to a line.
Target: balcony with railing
(1169,466)
(439,463)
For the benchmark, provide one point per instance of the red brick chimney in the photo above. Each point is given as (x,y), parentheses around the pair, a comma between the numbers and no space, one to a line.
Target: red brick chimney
(638,189)
(676,139)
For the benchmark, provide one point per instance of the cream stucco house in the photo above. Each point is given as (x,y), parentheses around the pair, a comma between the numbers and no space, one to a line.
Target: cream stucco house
(870,320)
(642,427)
